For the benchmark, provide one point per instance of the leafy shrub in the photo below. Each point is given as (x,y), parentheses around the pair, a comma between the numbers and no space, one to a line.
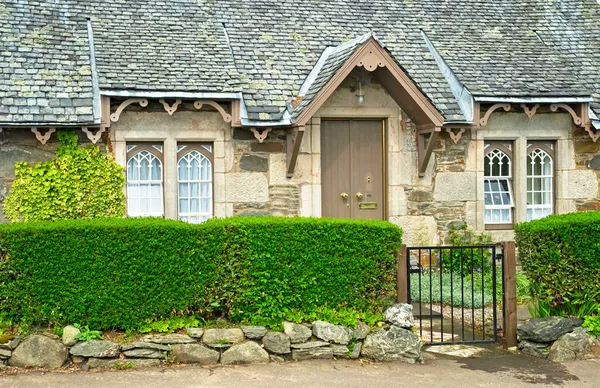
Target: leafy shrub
(561,256)
(467,261)
(80,182)
(134,273)
(85,334)
(593,324)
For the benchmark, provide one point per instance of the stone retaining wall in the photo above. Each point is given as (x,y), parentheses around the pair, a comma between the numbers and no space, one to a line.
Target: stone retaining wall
(240,345)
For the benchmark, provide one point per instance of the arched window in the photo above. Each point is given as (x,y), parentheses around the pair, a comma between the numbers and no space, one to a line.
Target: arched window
(498,197)
(194,178)
(540,185)
(144,180)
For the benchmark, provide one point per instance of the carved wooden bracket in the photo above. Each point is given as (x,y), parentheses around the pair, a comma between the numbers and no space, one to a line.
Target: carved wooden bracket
(260,135)
(371,62)
(293,148)
(94,137)
(45,137)
(593,134)
(170,108)
(115,116)
(484,120)
(425,141)
(455,136)
(530,111)
(576,119)
(226,116)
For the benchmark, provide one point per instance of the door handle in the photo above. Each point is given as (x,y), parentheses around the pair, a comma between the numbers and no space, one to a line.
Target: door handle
(344,196)
(359,195)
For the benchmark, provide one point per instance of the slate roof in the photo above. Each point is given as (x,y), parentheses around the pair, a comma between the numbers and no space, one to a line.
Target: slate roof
(45,73)
(267,48)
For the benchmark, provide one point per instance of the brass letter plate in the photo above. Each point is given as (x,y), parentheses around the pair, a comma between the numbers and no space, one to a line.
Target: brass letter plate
(367,205)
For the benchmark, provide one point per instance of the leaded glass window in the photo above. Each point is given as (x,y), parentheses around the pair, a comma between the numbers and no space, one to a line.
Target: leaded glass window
(194,178)
(498,196)
(540,185)
(144,181)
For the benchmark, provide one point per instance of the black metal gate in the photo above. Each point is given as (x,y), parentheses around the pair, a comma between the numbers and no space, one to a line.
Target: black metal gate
(454,291)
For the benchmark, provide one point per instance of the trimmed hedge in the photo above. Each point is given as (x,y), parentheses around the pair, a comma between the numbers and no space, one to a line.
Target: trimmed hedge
(123,273)
(561,256)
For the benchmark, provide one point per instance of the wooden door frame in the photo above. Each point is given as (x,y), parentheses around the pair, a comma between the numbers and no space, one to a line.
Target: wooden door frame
(384,141)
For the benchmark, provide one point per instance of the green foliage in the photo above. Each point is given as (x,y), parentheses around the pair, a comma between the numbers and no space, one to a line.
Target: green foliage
(146,274)
(593,324)
(169,325)
(80,182)
(85,334)
(561,257)
(464,261)
(340,316)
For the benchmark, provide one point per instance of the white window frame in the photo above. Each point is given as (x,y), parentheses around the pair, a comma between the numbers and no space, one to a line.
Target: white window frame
(150,151)
(547,149)
(205,151)
(501,151)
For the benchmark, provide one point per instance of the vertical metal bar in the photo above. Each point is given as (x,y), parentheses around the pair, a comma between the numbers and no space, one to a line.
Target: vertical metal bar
(430,299)
(472,293)
(403,276)
(441,295)
(462,293)
(482,295)
(420,296)
(494,296)
(451,261)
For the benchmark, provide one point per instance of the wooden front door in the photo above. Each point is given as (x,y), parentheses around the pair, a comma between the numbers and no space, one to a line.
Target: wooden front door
(352,173)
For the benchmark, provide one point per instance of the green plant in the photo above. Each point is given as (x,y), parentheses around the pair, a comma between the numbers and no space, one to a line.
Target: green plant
(79,182)
(467,261)
(85,334)
(124,365)
(592,323)
(559,255)
(147,274)
(523,287)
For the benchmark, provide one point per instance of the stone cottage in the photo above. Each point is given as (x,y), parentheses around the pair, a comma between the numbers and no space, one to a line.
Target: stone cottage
(425,113)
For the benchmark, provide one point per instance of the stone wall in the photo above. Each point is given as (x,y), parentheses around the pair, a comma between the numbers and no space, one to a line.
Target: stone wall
(236,345)
(21,145)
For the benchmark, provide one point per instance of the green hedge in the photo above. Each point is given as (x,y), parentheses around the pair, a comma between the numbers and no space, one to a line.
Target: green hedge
(561,257)
(122,273)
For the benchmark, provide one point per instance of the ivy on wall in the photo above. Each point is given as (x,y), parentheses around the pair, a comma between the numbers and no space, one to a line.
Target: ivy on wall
(79,182)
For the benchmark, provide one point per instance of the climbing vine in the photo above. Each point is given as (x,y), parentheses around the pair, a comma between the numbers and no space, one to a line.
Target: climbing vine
(79,182)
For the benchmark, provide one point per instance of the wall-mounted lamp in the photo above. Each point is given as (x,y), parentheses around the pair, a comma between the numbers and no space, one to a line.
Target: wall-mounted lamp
(360,94)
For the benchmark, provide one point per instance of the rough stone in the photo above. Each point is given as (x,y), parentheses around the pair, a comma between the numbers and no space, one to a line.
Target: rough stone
(5,354)
(595,162)
(312,353)
(38,351)
(400,314)
(310,345)
(395,344)
(420,196)
(581,184)
(547,329)
(69,337)
(361,331)
(418,230)
(78,359)
(146,345)
(124,363)
(195,332)
(275,358)
(223,336)
(246,353)
(356,351)
(254,332)
(331,333)
(246,187)
(96,348)
(11,344)
(254,163)
(536,349)
(577,345)
(168,339)
(243,134)
(195,354)
(297,333)
(266,147)
(278,343)
(455,186)
(339,350)
(144,353)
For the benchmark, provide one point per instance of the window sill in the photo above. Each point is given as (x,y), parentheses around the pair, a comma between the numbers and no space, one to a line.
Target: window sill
(499,227)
